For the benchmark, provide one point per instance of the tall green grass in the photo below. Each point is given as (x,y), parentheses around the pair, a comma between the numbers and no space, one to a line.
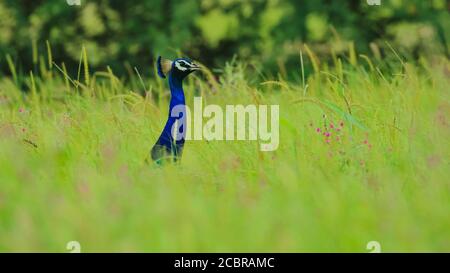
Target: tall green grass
(73,150)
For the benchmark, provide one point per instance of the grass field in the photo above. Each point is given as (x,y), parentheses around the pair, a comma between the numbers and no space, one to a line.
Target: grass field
(72,162)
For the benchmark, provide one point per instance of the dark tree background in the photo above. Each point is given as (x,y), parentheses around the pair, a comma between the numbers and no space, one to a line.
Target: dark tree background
(131,33)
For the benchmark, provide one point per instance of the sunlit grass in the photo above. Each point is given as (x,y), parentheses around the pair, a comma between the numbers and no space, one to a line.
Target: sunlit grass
(72,163)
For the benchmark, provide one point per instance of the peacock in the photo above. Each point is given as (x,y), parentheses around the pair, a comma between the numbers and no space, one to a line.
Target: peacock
(168,148)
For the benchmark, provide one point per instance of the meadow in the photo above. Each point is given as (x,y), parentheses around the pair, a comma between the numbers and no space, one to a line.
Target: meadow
(363,156)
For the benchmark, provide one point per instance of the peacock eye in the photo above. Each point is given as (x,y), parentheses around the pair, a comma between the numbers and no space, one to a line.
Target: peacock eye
(181,65)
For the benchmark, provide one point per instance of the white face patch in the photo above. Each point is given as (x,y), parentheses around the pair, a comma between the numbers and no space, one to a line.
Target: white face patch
(180,67)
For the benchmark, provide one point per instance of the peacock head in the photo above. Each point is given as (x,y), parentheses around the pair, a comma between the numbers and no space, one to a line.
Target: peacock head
(178,68)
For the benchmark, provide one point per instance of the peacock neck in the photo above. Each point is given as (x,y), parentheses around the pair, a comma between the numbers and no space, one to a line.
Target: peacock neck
(171,140)
(177,101)
(176,91)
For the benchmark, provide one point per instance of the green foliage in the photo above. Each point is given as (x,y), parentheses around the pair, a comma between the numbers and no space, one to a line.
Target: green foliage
(72,163)
(74,133)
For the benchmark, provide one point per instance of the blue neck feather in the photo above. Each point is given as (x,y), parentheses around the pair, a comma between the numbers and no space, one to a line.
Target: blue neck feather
(166,144)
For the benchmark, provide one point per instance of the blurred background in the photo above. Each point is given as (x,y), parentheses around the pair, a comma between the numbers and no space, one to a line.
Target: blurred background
(266,33)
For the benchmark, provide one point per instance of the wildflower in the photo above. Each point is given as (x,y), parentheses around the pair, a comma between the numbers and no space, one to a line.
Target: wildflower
(318,130)
(331,125)
(21,110)
(327,134)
